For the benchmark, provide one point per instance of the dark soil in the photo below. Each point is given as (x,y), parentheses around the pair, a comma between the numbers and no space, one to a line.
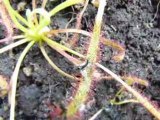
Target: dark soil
(41,88)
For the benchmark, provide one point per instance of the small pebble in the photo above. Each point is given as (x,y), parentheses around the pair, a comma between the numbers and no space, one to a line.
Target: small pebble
(1,118)
(27,71)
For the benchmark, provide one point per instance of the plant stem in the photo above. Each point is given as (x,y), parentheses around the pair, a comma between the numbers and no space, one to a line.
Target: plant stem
(81,95)
(72,59)
(14,15)
(96,114)
(44,3)
(6,21)
(75,39)
(60,47)
(87,73)
(55,66)
(34,6)
(12,45)
(18,37)
(95,40)
(83,32)
(123,102)
(44,19)
(13,81)
(64,5)
(58,8)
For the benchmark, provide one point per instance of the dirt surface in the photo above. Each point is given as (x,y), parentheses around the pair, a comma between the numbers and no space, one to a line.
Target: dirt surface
(41,88)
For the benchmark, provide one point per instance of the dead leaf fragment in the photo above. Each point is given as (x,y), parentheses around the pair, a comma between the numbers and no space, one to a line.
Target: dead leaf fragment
(95,3)
(3,86)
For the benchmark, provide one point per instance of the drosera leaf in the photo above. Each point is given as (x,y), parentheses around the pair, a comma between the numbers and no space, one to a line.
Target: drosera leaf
(14,15)
(117,46)
(60,47)
(33,32)
(65,4)
(96,114)
(56,32)
(143,100)
(12,45)
(75,37)
(114,102)
(6,20)
(54,65)
(14,79)
(87,73)
(130,79)
(120,49)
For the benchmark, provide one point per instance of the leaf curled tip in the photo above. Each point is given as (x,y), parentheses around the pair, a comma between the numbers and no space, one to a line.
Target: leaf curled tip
(119,57)
(133,79)
(114,102)
(117,46)
(130,79)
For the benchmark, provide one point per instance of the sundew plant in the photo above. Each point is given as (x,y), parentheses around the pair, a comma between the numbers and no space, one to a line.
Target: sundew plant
(35,29)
